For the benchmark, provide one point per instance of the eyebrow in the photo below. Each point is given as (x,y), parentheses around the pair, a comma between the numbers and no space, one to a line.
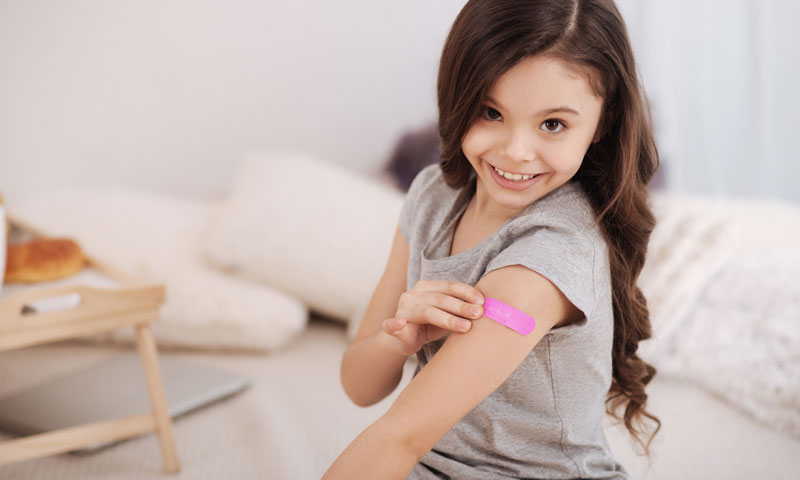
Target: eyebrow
(546,111)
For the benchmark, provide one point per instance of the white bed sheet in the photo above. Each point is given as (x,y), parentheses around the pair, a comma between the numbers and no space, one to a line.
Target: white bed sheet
(295,420)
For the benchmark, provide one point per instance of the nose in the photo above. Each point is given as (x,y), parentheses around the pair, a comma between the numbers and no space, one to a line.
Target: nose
(520,145)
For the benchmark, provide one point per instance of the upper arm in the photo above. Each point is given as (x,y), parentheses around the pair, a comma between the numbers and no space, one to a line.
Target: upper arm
(392,284)
(470,366)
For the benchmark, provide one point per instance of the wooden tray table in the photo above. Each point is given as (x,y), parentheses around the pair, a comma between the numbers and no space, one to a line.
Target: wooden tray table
(100,298)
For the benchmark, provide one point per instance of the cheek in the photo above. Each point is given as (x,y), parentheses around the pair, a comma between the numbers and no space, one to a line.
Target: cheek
(477,141)
(564,158)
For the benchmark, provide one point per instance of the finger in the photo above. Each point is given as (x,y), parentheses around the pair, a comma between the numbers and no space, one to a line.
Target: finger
(466,292)
(453,305)
(393,324)
(431,333)
(442,319)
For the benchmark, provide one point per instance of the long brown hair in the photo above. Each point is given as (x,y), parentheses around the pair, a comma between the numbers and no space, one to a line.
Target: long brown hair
(488,38)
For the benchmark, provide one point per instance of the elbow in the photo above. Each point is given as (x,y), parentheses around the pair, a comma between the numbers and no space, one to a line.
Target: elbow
(354,394)
(362,402)
(353,388)
(358,398)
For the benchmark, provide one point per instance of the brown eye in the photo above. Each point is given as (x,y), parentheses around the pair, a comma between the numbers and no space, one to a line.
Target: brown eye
(492,114)
(553,126)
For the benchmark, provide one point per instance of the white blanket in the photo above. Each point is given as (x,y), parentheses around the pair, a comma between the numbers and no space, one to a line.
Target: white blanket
(722,286)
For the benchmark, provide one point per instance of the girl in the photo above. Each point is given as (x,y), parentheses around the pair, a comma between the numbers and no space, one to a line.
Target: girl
(539,201)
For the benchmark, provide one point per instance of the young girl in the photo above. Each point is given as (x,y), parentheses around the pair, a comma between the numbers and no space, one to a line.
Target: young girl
(540,202)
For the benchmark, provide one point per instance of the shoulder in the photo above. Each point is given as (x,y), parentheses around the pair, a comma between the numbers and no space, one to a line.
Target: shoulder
(429,182)
(562,218)
(425,178)
(427,194)
(559,239)
(567,207)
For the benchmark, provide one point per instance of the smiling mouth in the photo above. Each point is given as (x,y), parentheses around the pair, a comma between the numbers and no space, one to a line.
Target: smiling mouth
(516,177)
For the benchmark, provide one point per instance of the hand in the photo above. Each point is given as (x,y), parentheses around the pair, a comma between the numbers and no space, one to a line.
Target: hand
(431,310)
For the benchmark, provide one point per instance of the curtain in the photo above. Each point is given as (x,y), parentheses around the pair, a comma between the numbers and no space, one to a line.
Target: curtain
(723,78)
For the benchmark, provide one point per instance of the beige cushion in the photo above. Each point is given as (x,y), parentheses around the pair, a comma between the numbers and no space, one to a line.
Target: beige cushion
(157,237)
(315,230)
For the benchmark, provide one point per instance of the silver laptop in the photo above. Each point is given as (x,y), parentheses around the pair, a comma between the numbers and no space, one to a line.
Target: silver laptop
(112,389)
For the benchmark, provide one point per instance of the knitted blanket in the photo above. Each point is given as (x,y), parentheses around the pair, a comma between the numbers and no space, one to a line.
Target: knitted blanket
(722,288)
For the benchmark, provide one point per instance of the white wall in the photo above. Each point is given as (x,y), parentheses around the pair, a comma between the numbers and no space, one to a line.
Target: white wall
(168,95)
(723,77)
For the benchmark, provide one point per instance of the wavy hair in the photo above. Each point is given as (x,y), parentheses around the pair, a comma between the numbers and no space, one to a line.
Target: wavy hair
(488,38)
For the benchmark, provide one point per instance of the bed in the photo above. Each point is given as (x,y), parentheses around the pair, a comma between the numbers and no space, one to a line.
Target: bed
(726,393)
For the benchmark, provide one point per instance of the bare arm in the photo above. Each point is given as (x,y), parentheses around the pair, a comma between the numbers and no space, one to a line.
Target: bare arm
(466,370)
(372,366)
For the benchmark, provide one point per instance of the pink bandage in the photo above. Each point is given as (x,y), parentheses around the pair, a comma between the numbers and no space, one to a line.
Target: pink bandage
(509,316)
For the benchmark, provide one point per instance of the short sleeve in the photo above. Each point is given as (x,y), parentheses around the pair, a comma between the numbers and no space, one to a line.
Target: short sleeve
(411,201)
(564,257)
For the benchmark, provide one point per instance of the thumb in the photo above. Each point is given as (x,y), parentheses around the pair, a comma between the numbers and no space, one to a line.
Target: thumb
(393,324)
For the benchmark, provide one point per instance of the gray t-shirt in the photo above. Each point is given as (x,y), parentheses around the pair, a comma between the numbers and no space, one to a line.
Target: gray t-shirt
(545,421)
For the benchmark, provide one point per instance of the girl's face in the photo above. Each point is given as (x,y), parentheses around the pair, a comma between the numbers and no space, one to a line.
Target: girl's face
(539,120)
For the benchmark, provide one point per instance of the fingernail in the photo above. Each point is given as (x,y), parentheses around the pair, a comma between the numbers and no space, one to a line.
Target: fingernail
(479,300)
(463,324)
(476,310)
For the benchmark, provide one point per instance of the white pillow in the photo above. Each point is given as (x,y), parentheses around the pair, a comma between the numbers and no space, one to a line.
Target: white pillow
(157,237)
(313,229)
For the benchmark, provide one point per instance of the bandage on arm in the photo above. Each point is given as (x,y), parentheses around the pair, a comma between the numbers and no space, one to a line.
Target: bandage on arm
(509,316)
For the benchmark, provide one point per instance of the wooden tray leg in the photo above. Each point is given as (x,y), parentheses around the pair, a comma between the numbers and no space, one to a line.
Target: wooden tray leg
(147,352)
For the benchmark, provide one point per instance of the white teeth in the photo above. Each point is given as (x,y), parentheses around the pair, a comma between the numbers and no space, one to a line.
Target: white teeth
(513,176)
